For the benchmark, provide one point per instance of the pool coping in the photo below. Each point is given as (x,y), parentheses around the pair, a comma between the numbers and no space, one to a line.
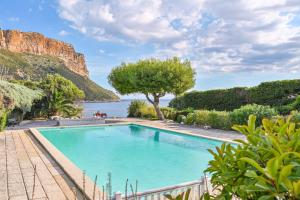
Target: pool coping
(75,173)
(183,132)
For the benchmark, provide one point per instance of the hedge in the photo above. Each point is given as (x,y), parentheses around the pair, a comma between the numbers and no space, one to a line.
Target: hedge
(3,120)
(275,93)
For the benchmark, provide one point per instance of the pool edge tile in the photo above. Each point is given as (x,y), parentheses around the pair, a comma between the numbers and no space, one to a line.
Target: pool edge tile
(74,173)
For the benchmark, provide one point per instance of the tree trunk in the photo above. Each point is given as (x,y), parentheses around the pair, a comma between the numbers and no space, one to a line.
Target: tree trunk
(155,103)
(159,114)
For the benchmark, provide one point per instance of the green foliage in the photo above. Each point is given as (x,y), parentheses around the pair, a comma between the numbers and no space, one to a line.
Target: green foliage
(60,96)
(295,117)
(276,93)
(134,109)
(296,104)
(181,118)
(169,113)
(265,166)
(214,119)
(184,112)
(18,96)
(141,109)
(227,99)
(24,66)
(182,196)
(148,112)
(56,83)
(3,119)
(240,116)
(153,77)
(59,105)
(284,110)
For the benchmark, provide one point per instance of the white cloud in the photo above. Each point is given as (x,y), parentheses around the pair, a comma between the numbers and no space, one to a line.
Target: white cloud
(217,35)
(14,19)
(63,33)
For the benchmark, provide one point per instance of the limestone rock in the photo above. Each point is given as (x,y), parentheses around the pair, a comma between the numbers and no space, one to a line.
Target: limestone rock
(36,43)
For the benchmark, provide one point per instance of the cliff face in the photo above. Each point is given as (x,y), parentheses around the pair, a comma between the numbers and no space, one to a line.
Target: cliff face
(36,43)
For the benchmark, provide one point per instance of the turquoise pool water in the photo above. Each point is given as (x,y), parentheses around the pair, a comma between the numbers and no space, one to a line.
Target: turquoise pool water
(154,157)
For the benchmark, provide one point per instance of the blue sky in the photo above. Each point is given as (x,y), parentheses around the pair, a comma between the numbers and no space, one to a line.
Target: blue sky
(230,43)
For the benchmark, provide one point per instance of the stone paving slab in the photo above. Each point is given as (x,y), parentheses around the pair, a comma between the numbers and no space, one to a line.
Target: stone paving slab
(196,130)
(19,153)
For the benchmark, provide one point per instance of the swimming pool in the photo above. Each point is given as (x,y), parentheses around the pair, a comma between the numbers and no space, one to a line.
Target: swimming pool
(154,157)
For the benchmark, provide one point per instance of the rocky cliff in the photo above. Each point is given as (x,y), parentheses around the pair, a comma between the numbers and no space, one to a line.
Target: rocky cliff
(36,43)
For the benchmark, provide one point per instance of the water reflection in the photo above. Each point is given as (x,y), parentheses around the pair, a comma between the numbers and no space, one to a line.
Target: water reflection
(156,136)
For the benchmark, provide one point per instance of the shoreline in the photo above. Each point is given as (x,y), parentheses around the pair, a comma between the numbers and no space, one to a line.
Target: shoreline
(112,101)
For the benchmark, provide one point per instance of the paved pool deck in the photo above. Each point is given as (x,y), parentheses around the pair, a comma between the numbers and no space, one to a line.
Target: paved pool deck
(20,152)
(170,125)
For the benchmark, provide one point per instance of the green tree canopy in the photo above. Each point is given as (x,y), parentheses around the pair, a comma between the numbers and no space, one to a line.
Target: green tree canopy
(17,96)
(56,83)
(153,77)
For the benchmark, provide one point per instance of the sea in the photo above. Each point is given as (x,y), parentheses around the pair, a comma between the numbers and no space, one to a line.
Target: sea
(112,109)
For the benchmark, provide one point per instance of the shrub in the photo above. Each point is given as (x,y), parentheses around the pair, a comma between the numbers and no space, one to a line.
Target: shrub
(295,117)
(134,109)
(275,93)
(190,118)
(3,120)
(296,104)
(214,119)
(141,109)
(18,96)
(219,119)
(240,116)
(148,112)
(284,110)
(201,117)
(184,112)
(181,118)
(265,166)
(227,99)
(169,113)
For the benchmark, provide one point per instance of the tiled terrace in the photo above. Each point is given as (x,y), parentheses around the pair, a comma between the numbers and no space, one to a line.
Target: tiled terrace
(19,154)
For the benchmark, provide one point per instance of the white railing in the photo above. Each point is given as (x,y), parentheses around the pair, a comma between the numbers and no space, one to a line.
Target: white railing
(198,188)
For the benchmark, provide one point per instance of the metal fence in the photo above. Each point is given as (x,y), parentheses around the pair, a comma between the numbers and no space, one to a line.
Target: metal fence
(198,188)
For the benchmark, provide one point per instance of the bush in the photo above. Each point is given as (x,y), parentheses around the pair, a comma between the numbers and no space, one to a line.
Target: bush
(181,118)
(201,117)
(219,119)
(18,96)
(148,112)
(284,110)
(214,119)
(134,109)
(227,99)
(190,118)
(296,104)
(241,115)
(3,120)
(184,112)
(169,113)
(265,166)
(141,109)
(276,93)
